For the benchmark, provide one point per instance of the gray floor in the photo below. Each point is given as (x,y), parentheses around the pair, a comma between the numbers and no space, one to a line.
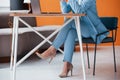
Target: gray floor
(37,69)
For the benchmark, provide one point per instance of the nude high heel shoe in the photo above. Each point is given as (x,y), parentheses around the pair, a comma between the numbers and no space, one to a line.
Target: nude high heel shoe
(69,69)
(49,53)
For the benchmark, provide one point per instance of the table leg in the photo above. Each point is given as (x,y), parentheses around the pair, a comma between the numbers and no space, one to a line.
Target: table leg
(77,22)
(13,42)
(15,45)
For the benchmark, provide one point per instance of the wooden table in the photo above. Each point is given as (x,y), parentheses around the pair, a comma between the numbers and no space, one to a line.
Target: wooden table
(17,18)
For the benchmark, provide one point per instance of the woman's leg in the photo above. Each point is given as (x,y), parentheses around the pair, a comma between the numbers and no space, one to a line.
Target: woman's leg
(62,35)
(68,52)
(69,45)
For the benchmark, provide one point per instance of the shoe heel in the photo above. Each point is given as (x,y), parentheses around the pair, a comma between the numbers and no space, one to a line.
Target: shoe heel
(51,60)
(71,69)
(71,72)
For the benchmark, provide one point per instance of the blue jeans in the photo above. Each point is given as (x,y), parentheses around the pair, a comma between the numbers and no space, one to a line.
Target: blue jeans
(67,35)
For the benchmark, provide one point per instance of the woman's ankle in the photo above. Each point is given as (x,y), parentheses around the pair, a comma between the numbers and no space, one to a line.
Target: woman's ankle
(52,48)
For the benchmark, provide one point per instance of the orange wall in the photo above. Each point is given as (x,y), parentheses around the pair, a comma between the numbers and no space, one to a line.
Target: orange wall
(105,8)
(50,6)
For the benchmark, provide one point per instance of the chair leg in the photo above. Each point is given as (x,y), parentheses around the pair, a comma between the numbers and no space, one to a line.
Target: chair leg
(88,56)
(114,57)
(94,59)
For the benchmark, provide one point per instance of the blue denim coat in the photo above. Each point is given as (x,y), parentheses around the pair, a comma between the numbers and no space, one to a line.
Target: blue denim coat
(90,24)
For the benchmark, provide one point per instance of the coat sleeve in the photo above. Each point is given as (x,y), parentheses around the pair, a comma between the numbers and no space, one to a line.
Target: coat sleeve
(65,8)
(82,7)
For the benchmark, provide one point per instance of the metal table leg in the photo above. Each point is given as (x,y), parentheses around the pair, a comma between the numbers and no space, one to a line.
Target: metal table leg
(15,28)
(77,23)
(13,47)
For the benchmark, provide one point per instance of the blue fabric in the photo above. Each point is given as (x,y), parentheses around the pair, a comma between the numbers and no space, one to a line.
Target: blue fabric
(91,22)
(67,35)
(90,25)
(69,45)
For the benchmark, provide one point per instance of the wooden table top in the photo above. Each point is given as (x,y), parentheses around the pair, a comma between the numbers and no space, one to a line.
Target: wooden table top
(45,14)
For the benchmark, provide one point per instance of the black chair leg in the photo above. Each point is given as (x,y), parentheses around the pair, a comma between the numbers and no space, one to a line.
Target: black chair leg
(114,57)
(88,56)
(94,59)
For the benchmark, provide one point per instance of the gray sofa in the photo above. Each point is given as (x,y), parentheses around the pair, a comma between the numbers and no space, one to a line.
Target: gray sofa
(27,40)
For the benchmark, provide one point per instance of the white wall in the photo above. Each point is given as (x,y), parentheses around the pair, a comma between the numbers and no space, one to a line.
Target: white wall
(4,3)
(4,6)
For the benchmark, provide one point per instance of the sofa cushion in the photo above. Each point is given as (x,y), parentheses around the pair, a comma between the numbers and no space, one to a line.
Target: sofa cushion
(4,18)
